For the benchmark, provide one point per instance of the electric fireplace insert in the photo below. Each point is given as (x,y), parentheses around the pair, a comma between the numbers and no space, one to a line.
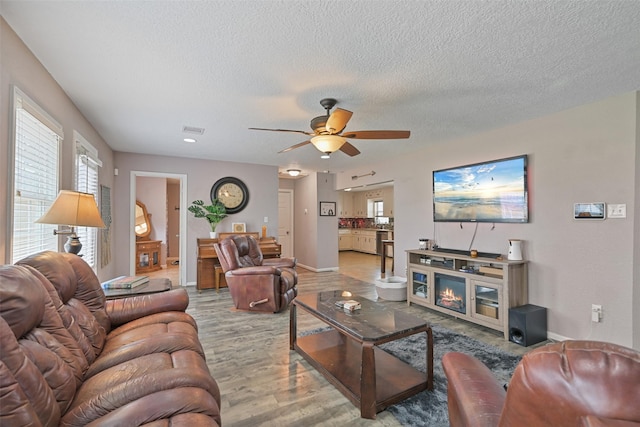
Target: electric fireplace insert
(450,292)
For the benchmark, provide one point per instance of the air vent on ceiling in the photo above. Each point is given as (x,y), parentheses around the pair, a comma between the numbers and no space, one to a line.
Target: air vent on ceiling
(193,129)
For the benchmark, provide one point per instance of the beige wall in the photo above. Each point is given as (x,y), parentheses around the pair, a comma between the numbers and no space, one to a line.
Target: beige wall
(261,180)
(19,67)
(585,154)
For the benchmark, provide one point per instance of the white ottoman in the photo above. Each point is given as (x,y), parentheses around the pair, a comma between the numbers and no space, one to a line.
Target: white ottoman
(392,288)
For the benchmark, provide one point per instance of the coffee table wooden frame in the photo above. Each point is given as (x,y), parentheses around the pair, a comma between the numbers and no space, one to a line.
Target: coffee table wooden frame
(368,376)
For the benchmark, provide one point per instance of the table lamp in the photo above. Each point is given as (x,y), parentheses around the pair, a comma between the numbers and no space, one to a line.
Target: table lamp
(73,208)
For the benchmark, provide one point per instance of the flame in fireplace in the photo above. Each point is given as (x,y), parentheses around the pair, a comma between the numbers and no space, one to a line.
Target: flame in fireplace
(448,298)
(449,295)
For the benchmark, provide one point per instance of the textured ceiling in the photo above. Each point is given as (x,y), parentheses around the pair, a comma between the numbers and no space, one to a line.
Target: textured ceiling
(140,70)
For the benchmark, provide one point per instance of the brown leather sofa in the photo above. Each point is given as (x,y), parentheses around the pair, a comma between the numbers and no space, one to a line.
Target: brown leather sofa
(570,383)
(255,283)
(70,357)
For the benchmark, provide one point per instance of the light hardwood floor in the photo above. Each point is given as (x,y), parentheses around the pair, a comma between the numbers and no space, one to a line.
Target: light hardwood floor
(262,382)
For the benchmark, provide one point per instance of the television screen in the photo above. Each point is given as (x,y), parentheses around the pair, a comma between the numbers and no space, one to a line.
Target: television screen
(494,191)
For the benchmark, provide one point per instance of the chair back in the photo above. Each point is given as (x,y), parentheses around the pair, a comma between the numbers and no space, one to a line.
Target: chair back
(238,251)
(562,382)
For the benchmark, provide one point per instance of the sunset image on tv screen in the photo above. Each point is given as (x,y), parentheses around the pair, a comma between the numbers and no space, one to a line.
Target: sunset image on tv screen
(490,192)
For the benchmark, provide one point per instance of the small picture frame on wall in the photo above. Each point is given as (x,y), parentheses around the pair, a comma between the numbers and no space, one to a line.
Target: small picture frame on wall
(327,208)
(238,227)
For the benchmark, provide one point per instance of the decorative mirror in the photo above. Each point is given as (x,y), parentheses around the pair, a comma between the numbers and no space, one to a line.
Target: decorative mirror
(142,226)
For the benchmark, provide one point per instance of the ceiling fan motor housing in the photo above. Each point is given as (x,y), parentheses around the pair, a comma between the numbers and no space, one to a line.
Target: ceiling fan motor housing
(319,125)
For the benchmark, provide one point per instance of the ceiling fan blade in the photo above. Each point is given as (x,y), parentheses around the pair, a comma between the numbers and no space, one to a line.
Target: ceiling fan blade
(338,120)
(284,130)
(349,149)
(293,147)
(377,134)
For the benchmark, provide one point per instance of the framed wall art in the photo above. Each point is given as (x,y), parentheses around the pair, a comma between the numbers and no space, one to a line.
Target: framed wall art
(239,227)
(327,208)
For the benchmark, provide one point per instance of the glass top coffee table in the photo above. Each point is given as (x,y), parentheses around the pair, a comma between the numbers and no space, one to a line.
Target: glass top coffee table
(347,353)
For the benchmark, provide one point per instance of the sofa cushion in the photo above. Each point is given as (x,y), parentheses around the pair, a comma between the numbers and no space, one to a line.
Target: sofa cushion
(135,390)
(78,299)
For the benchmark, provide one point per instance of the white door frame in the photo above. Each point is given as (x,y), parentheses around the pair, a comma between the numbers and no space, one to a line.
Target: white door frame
(291,211)
(183,219)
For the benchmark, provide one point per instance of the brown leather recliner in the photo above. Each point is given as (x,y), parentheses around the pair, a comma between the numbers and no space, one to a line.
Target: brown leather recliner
(255,283)
(570,383)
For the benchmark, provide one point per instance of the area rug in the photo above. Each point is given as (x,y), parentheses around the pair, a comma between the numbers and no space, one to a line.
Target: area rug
(429,408)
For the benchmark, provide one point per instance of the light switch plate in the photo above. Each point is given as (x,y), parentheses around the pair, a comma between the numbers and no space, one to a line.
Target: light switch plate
(617,210)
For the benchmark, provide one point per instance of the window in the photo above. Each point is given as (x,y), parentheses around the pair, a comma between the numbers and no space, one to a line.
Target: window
(36,154)
(86,181)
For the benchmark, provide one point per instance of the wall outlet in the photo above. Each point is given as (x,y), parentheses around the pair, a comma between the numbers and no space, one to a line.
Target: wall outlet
(596,313)
(617,210)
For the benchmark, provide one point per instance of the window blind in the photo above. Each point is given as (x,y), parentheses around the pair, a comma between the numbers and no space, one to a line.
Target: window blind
(87,164)
(35,177)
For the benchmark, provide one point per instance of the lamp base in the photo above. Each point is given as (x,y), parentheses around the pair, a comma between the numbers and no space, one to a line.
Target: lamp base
(73,245)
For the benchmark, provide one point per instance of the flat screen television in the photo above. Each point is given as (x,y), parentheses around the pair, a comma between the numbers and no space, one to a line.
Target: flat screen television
(494,191)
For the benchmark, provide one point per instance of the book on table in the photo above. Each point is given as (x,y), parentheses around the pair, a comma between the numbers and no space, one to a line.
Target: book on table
(125,282)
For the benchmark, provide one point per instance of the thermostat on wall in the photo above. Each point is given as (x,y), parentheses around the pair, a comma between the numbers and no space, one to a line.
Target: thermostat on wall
(593,210)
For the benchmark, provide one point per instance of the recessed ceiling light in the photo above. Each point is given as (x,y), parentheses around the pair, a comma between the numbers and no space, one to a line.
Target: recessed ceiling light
(189,140)
(193,129)
(347,189)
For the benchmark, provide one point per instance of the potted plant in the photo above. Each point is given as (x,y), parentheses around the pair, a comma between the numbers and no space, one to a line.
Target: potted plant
(213,213)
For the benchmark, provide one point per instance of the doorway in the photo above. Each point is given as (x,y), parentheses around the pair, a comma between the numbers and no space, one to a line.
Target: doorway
(175,204)
(285,222)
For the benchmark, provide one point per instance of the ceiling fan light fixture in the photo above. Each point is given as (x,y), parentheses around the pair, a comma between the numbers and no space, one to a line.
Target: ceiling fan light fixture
(326,156)
(328,143)
(293,172)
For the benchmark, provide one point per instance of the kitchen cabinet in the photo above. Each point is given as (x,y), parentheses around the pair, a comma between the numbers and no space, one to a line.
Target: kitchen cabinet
(360,205)
(345,242)
(345,204)
(364,241)
(387,200)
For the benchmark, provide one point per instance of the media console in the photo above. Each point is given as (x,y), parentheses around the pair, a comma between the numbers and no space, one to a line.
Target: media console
(480,290)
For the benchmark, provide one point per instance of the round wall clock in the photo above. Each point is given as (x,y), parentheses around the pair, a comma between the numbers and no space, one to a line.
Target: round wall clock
(232,192)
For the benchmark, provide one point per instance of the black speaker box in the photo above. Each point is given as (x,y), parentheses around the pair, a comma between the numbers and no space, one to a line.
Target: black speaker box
(527,324)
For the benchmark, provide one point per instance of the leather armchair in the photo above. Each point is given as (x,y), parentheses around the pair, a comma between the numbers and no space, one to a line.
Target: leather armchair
(570,383)
(255,283)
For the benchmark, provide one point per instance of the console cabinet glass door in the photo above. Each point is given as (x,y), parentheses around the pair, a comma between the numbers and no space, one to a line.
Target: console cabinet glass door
(486,302)
(422,284)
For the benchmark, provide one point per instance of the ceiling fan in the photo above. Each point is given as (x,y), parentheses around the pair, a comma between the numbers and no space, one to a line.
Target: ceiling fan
(328,136)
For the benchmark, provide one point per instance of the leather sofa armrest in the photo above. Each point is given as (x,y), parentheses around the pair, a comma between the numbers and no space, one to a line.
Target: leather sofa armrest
(280,262)
(123,310)
(475,397)
(595,421)
(255,271)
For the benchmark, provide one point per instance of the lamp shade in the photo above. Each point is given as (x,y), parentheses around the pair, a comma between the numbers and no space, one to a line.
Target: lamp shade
(328,143)
(73,208)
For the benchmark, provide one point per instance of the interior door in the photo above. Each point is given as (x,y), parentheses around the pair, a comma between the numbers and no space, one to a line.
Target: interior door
(285,222)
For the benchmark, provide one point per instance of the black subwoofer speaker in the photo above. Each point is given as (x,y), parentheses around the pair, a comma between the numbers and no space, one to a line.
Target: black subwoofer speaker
(527,324)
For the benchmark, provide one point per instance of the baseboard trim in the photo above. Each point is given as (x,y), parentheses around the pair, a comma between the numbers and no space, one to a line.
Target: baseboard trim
(317,270)
(557,337)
